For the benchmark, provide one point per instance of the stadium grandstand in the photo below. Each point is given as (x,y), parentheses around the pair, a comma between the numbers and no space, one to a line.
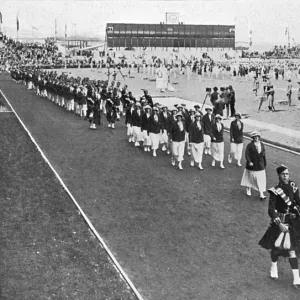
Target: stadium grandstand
(174,36)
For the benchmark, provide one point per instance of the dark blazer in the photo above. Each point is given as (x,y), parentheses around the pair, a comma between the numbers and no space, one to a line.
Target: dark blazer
(217,136)
(170,121)
(154,126)
(164,121)
(236,134)
(195,134)
(136,120)
(258,159)
(145,122)
(188,121)
(207,124)
(128,115)
(175,134)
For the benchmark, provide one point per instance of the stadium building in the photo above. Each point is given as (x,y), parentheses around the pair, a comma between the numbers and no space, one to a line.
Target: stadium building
(170,36)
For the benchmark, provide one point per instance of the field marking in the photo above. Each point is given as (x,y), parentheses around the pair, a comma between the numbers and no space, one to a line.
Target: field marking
(6,111)
(112,257)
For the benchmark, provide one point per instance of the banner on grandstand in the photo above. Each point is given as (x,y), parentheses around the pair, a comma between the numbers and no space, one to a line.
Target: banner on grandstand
(172,18)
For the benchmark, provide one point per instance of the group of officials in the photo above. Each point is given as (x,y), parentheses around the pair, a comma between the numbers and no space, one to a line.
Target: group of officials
(176,130)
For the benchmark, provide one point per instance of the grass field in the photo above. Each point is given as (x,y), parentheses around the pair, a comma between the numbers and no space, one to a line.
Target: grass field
(47,250)
(179,235)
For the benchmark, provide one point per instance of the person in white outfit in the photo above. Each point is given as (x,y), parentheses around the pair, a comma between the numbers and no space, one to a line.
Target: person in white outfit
(236,139)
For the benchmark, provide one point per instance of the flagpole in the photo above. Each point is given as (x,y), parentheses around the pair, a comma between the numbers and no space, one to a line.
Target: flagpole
(288,37)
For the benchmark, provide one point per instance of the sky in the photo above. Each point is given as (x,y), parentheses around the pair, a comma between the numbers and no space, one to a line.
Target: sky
(267,19)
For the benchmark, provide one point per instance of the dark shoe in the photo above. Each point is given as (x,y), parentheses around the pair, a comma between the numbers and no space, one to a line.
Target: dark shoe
(263,198)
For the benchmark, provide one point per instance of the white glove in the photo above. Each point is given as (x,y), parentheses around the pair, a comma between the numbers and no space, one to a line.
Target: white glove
(283,227)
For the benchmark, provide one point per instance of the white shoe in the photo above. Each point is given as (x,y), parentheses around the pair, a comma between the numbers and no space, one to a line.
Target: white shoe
(200,167)
(274,272)
(113,126)
(205,151)
(145,149)
(229,159)
(180,166)
(154,153)
(296,282)
(130,140)
(163,148)
(248,191)
(168,151)
(239,164)
(209,152)
(109,125)
(189,153)
(222,166)
(149,150)
(136,144)
(173,161)
(192,163)
(213,163)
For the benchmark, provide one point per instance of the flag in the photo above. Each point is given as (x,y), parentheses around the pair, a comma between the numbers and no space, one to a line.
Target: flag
(65,31)
(0,17)
(17,23)
(286,31)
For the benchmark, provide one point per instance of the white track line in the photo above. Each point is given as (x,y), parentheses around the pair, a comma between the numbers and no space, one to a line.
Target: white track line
(119,268)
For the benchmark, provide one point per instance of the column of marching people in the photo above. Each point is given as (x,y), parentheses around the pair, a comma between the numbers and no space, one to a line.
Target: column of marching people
(177,130)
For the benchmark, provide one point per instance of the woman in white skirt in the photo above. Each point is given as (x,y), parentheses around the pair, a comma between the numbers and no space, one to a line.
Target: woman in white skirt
(145,126)
(254,176)
(236,140)
(128,119)
(155,128)
(164,115)
(217,142)
(196,141)
(136,122)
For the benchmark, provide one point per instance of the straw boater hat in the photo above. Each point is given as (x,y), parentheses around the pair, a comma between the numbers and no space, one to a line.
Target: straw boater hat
(147,107)
(197,114)
(178,114)
(179,106)
(138,104)
(218,117)
(164,106)
(208,108)
(238,115)
(254,134)
(196,106)
(192,109)
(155,109)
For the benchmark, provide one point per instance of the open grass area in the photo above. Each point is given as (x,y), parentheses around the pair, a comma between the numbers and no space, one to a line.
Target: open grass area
(46,248)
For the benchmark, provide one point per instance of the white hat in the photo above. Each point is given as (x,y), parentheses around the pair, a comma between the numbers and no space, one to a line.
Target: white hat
(255,133)
(147,107)
(218,117)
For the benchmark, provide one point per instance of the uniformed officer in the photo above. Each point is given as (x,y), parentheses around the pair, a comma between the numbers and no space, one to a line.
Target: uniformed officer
(283,235)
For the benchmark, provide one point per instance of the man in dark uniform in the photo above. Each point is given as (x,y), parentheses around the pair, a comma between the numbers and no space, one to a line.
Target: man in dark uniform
(214,96)
(283,235)
(232,101)
(148,98)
